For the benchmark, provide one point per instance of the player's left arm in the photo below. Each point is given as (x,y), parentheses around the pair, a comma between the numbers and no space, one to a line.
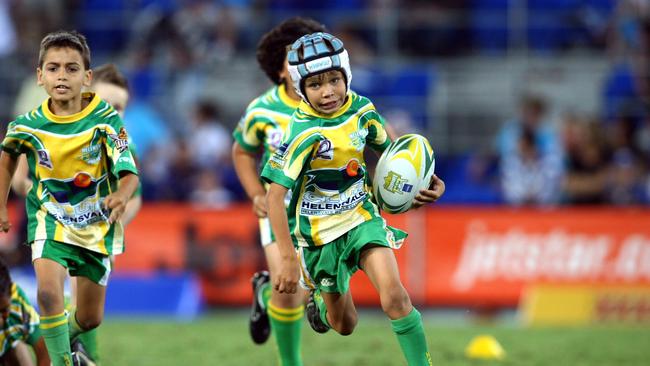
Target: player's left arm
(117,201)
(435,191)
(379,137)
(132,207)
(123,166)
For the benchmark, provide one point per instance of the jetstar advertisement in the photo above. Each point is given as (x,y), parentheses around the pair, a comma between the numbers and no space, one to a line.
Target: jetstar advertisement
(485,257)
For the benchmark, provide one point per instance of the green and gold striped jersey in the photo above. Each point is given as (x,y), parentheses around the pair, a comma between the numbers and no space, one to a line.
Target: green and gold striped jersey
(22,322)
(321,159)
(74,164)
(265,121)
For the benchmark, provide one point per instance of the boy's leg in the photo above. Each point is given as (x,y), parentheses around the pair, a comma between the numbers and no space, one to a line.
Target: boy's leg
(285,313)
(338,311)
(89,338)
(90,307)
(50,276)
(381,267)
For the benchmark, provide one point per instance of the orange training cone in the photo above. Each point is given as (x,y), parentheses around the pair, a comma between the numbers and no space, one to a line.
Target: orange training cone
(485,347)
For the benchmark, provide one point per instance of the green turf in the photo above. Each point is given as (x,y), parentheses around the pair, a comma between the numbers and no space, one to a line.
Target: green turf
(222,339)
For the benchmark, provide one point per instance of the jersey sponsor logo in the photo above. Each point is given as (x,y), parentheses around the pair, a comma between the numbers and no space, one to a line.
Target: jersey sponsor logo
(121,140)
(324,202)
(277,160)
(44,158)
(358,139)
(325,150)
(91,154)
(85,213)
(394,183)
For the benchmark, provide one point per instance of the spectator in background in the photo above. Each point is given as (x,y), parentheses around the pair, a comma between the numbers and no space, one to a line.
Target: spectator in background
(530,156)
(627,178)
(585,181)
(524,179)
(209,192)
(208,138)
(627,183)
(181,174)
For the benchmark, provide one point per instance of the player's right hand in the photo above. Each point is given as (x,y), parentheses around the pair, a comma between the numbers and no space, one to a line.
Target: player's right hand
(259,205)
(5,225)
(287,280)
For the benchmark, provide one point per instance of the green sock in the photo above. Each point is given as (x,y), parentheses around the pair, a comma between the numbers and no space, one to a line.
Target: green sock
(89,340)
(265,294)
(322,308)
(286,325)
(73,326)
(410,335)
(55,333)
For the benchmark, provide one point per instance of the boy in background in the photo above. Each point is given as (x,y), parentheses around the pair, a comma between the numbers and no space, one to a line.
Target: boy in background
(260,132)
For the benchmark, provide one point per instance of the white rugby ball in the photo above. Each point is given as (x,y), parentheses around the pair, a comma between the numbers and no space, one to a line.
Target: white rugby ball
(404,168)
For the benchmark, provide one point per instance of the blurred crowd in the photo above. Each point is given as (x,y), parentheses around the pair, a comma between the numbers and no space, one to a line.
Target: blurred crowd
(173,50)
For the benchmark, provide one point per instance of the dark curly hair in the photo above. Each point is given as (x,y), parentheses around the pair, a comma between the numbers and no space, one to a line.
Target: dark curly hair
(272,48)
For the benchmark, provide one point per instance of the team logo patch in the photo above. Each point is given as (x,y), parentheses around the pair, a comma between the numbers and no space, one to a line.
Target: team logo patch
(44,158)
(275,138)
(394,183)
(358,139)
(121,140)
(325,150)
(91,154)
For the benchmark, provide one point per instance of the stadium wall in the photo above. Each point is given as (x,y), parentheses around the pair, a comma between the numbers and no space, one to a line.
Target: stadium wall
(465,257)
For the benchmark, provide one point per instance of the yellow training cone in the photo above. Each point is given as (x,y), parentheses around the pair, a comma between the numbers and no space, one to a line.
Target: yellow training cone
(485,347)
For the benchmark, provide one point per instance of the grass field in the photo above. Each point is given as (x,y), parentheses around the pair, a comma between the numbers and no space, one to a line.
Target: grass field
(221,338)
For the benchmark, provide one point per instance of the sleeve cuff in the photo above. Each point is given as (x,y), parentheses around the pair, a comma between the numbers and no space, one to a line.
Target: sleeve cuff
(124,168)
(240,140)
(272,176)
(10,151)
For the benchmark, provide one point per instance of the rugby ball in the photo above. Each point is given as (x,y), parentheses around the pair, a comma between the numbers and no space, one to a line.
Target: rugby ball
(404,168)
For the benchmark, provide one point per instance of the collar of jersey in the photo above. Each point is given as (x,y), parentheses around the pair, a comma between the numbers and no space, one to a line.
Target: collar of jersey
(284,97)
(94,102)
(305,107)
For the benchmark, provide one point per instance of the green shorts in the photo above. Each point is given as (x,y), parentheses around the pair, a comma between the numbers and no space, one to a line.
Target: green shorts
(329,267)
(78,261)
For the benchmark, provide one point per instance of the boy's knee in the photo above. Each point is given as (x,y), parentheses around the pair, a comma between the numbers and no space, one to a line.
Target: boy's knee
(89,322)
(345,326)
(49,299)
(396,301)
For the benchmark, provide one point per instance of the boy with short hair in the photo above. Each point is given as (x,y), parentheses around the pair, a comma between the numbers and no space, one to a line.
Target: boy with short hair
(112,87)
(83,175)
(19,323)
(332,220)
(260,131)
